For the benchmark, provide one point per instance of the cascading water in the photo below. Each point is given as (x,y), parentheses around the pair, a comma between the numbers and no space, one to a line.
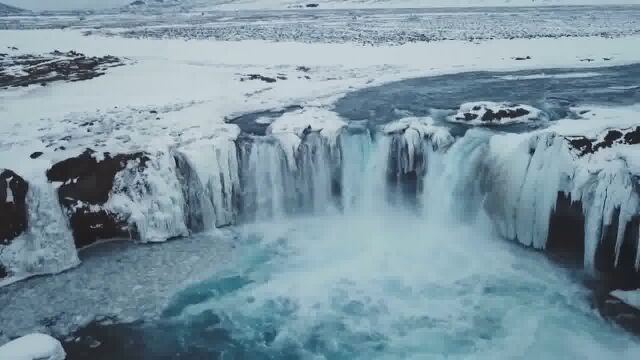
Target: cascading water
(356,148)
(368,275)
(372,243)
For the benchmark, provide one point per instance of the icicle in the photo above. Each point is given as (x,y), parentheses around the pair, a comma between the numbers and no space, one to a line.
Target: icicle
(603,192)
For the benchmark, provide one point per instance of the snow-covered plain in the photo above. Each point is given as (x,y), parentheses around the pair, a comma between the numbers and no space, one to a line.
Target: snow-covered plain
(175,97)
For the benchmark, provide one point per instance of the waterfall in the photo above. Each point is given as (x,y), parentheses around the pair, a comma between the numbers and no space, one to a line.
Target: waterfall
(315,174)
(509,181)
(355,152)
(266,178)
(211,168)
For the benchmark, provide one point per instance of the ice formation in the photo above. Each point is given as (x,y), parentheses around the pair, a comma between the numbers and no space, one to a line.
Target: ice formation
(47,246)
(317,167)
(151,201)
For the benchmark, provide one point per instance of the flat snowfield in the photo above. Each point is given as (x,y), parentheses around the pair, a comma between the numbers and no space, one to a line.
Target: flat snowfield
(167,81)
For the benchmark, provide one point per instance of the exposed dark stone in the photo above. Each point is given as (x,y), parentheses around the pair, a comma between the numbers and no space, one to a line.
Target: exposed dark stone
(55,66)
(13,208)
(36,154)
(303,68)
(632,137)
(565,238)
(617,311)
(90,226)
(623,274)
(468,116)
(491,115)
(87,181)
(613,137)
(582,144)
(258,77)
(3,272)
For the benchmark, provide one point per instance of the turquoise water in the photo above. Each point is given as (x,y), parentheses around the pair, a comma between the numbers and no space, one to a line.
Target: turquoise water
(380,286)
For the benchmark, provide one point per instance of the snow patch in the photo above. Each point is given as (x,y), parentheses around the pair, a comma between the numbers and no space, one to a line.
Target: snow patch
(33,347)
(631,297)
(327,122)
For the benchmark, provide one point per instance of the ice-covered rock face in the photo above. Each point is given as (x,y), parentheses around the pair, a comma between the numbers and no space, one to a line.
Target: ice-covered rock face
(613,137)
(123,195)
(87,182)
(490,113)
(13,210)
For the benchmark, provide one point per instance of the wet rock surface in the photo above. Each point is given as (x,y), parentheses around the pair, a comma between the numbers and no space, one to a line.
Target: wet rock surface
(13,209)
(87,182)
(19,70)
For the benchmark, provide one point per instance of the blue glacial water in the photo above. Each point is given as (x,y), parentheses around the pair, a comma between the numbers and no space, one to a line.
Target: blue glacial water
(383,285)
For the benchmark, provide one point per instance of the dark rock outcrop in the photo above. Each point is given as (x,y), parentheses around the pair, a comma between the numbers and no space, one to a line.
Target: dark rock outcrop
(585,145)
(36,154)
(13,208)
(87,183)
(55,66)
(266,79)
(491,115)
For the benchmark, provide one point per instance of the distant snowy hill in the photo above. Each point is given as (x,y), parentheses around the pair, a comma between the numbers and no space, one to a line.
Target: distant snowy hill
(335,4)
(6,9)
(285,4)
